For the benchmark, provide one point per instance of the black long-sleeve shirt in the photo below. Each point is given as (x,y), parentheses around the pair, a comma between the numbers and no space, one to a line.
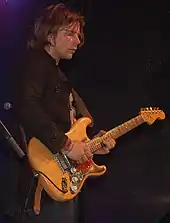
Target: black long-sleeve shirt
(41,100)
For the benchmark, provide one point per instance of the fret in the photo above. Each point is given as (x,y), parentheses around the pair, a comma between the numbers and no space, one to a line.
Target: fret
(115,132)
(119,128)
(96,144)
(126,126)
(134,121)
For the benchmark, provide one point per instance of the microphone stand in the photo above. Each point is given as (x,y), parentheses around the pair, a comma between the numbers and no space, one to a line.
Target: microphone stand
(5,133)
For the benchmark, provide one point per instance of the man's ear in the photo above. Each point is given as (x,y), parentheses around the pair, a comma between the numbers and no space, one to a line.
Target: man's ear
(51,40)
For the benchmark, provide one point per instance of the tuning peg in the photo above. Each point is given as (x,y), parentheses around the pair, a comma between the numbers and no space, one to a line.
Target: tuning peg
(151,108)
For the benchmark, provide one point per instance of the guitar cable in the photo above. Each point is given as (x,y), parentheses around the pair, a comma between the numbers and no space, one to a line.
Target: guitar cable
(30,189)
(63,191)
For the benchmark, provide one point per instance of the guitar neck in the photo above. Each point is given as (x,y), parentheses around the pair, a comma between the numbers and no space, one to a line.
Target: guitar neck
(96,144)
(125,127)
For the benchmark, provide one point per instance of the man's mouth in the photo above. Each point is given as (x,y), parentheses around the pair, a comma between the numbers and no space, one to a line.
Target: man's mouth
(73,50)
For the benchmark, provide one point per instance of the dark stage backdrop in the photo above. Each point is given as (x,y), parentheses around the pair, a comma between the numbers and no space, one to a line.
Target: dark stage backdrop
(120,69)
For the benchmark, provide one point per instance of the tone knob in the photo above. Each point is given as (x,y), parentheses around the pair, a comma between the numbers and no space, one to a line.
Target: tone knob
(74,179)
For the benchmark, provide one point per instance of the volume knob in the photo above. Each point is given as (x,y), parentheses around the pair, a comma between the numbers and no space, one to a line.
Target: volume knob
(74,188)
(73,170)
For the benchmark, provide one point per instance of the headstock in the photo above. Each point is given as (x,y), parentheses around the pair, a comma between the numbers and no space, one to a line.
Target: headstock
(150,115)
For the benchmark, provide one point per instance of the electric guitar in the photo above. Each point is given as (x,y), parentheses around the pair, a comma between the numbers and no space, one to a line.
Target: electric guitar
(62,178)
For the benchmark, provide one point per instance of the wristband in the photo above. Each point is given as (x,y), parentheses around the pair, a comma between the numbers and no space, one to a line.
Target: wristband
(67,147)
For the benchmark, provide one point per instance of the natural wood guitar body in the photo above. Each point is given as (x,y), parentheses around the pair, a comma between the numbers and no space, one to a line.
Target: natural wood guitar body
(42,160)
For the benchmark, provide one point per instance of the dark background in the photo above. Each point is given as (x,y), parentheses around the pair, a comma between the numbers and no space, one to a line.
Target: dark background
(123,66)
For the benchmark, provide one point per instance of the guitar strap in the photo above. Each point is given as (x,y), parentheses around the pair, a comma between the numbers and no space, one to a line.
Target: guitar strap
(80,107)
(72,109)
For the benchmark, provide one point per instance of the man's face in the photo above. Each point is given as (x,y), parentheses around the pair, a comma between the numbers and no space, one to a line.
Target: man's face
(66,42)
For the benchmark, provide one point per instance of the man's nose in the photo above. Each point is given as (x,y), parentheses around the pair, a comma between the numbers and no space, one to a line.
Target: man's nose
(77,40)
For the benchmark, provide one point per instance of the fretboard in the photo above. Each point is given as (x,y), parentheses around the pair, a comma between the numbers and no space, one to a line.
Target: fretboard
(96,143)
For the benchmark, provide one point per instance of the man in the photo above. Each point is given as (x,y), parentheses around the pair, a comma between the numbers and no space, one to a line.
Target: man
(46,105)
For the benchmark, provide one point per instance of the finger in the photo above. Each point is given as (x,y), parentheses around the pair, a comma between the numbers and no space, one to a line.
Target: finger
(84,158)
(88,152)
(80,161)
(112,143)
(89,155)
(102,132)
(106,144)
(109,144)
(105,150)
(99,134)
